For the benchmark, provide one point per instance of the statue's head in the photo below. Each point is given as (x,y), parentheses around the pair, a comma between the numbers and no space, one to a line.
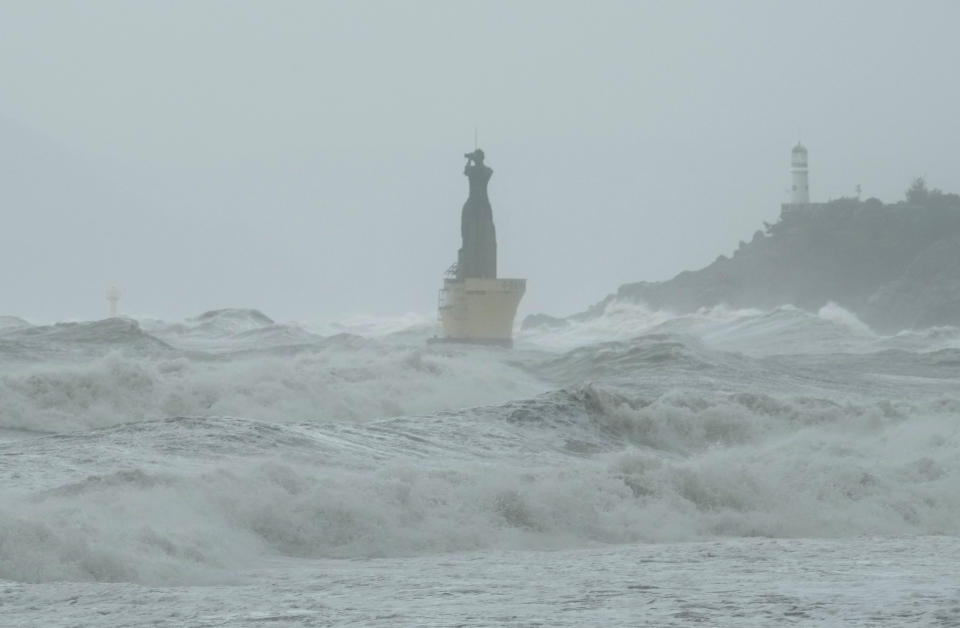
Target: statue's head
(476,156)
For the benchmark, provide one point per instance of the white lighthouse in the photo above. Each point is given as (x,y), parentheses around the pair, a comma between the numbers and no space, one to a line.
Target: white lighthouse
(113,298)
(800,193)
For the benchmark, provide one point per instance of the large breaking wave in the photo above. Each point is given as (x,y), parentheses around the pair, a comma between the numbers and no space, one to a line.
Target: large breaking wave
(177,454)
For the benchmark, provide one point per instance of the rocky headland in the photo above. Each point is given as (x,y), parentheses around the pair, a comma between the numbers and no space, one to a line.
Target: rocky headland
(895,266)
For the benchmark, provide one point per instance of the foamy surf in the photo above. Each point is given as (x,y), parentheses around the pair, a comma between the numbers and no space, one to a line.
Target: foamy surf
(200,452)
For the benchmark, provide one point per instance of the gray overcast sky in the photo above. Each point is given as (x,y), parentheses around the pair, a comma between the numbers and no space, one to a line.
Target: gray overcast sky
(305,158)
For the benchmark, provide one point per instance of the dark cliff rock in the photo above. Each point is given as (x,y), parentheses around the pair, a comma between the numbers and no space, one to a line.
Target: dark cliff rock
(895,266)
(926,295)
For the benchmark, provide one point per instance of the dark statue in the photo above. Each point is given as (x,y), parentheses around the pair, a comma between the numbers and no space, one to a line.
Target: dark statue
(478,255)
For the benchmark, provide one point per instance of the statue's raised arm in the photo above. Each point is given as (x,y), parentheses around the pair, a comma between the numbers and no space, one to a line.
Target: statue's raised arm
(474,160)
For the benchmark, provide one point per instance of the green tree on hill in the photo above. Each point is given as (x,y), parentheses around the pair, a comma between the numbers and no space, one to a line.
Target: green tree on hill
(917,193)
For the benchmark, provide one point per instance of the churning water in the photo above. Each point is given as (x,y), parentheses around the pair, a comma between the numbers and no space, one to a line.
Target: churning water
(636,468)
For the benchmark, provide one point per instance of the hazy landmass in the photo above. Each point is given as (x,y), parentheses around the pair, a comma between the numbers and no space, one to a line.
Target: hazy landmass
(895,265)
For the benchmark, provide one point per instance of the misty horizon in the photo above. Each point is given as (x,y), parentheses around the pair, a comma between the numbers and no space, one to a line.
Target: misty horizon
(309,163)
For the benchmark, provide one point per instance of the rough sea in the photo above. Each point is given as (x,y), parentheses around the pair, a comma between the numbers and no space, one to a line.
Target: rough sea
(726,468)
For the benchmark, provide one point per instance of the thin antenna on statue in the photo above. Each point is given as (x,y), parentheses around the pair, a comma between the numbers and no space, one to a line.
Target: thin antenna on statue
(475,144)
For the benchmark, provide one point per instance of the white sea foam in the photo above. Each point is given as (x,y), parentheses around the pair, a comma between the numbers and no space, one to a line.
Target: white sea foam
(351,446)
(330,383)
(782,330)
(179,499)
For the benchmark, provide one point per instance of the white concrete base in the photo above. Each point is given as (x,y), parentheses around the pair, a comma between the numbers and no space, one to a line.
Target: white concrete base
(479,310)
